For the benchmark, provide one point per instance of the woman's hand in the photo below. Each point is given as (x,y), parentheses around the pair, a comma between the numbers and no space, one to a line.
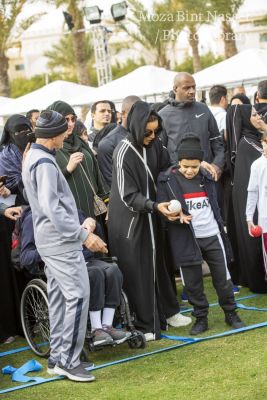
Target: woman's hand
(74,161)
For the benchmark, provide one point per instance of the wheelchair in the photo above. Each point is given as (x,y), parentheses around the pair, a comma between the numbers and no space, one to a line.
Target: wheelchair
(35,321)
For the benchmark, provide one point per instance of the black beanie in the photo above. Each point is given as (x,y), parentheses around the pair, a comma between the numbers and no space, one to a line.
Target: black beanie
(50,124)
(190,148)
(62,108)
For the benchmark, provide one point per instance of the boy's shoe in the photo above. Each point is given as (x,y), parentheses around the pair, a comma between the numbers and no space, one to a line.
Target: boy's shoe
(51,367)
(236,289)
(150,336)
(233,319)
(200,326)
(178,320)
(118,335)
(78,374)
(184,297)
(101,337)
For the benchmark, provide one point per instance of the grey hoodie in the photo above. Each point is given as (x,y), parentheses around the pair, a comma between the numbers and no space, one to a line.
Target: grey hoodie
(179,118)
(55,217)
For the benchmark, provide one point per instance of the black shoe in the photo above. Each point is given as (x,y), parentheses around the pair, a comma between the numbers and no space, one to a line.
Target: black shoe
(78,374)
(232,319)
(200,326)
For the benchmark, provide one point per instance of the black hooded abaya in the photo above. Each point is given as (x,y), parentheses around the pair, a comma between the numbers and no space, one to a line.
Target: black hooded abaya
(134,233)
(244,147)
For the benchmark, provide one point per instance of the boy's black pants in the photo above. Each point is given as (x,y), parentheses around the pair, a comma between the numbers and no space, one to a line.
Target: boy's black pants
(213,253)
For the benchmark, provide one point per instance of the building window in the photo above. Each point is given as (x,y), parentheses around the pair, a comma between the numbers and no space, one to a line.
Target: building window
(19,67)
(263,38)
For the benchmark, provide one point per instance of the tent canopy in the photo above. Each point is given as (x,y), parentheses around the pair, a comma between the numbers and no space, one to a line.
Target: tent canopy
(144,81)
(246,67)
(43,97)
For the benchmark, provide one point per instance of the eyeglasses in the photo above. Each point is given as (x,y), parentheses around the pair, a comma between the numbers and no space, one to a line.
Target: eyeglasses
(72,119)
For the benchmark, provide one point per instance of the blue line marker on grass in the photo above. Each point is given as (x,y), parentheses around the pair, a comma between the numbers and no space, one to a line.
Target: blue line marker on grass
(139,356)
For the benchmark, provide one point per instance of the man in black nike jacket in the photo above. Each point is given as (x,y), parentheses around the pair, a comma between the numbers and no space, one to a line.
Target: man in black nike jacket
(185,114)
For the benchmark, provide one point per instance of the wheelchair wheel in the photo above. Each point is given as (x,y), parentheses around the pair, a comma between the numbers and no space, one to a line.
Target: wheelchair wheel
(137,340)
(34,317)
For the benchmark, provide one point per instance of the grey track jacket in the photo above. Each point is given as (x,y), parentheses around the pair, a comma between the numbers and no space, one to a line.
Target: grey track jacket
(181,118)
(55,218)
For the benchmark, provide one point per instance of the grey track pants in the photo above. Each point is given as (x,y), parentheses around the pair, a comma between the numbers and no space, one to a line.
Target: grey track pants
(68,298)
(213,253)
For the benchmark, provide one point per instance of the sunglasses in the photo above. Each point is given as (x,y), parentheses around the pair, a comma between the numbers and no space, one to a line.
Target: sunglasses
(263,117)
(149,133)
(72,119)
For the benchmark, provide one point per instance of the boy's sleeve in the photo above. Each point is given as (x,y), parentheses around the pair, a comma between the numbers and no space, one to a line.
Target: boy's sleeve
(253,193)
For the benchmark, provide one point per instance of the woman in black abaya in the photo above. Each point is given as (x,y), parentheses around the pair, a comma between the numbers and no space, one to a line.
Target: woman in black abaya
(133,224)
(244,147)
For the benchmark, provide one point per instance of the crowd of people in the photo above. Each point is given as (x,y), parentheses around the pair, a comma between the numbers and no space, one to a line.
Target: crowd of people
(81,194)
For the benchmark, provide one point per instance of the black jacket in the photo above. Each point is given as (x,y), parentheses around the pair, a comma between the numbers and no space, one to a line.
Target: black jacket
(106,149)
(184,246)
(180,118)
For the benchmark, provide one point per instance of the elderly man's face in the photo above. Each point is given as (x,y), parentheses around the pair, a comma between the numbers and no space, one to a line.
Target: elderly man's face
(185,90)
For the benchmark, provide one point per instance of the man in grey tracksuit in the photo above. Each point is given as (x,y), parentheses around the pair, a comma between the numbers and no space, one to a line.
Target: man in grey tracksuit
(185,114)
(59,238)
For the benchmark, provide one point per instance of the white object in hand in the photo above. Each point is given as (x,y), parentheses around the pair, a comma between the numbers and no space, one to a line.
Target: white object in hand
(174,206)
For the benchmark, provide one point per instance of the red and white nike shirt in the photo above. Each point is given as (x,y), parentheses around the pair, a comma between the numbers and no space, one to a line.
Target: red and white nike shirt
(196,198)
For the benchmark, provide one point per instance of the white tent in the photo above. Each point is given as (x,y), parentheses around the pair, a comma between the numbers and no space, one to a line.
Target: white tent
(43,97)
(245,68)
(146,82)
(5,100)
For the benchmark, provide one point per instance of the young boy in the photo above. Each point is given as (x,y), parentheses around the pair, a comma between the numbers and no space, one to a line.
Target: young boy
(201,236)
(257,196)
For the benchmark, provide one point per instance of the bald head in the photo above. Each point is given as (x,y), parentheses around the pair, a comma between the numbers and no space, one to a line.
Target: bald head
(128,102)
(184,87)
(126,106)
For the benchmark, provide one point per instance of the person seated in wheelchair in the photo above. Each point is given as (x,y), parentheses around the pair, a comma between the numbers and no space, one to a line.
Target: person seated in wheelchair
(105,281)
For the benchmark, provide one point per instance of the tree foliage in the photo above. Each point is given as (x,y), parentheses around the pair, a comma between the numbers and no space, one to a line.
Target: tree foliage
(9,12)
(206,61)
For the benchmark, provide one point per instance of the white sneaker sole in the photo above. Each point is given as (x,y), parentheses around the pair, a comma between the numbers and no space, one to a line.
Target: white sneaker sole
(51,371)
(72,377)
(103,343)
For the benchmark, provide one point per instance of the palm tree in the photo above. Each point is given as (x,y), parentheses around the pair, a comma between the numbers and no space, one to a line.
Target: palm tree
(154,35)
(61,58)
(9,12)
(228,9)
(79,39)
(189,12)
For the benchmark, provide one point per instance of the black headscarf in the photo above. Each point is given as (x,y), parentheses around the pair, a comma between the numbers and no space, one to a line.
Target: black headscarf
(242,97)
(137,120)
(62,108)
(16,123)
(79,128)
(238,125)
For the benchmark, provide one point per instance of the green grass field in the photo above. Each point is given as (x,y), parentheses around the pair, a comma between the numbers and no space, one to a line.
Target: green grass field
(229,368)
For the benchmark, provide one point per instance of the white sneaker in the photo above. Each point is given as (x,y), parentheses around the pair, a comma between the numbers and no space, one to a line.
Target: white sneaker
(150,336)
(178,320)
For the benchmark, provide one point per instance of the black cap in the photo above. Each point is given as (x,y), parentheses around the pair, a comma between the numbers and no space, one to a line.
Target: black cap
(190,148)
(50,124)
